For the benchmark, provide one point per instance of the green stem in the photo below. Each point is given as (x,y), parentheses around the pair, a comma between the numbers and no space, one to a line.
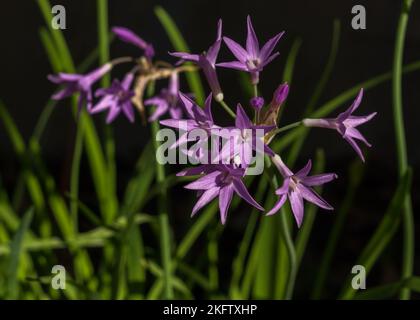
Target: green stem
(355,176)
(255,87)
(103,45)
(310,212)
(257,112)
(165,239)
(291,252)
(75,170)
(288,127)
(228,109)
(408,226)
(290,247)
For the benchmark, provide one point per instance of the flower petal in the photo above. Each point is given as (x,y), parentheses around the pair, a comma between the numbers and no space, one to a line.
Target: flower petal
(185,56)
(252,45)
(114,111)
(64,93)
(311,196)
(284,188)
(205,198)
(225,198)
(129,36)
(354,133)
(296,203)
(278,205)
(302,173)
(195,170)
(238,51)
(213,52)
(242,191)
(355,147)
(242,121)
(204,183)
(268,60)
(237,65)
(344,115)
(128,110)
(319,179)
(103,104)
(354,121)
(269,46)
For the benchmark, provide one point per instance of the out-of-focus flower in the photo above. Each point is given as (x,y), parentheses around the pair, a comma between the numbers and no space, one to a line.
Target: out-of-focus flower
(207,61)
(251,59)
(129,36)
(346,125)
(78,83)
(167,101)
(257,103)
(243,140)
(219,181)
(297,187)
(116,98)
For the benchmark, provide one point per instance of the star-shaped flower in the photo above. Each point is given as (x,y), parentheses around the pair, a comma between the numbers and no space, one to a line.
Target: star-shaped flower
(167,101)
(116,98)
(219,181)
(79,83)
(346,124)
(242,140)
(199,118)
(297,187)
(252,59)
(207,62)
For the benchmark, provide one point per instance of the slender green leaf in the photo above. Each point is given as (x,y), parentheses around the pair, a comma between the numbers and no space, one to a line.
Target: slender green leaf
(355,174)
(15,255)
(383,233)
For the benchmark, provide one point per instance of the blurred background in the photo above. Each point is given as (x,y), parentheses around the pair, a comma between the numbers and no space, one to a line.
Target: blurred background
(362,54)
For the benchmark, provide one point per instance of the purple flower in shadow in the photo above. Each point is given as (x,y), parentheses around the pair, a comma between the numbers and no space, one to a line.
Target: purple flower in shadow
(167,101)
(207,62)
(219,181)
(78,83)
(116,98)
(298,186)
(129,36)
(346,125)
(252,59)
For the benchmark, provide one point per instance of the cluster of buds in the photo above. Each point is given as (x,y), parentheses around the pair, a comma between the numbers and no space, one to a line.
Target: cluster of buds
(221,174)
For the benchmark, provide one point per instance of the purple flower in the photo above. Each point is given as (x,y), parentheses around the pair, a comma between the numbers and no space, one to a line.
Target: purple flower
(243,140)
(257,103)
(219,181)
(116,98)
(199,118)
(252,59)
(129,36)
(207,62)
(346,124)
(297,187)
(78,83)
(280,95)
(167,101)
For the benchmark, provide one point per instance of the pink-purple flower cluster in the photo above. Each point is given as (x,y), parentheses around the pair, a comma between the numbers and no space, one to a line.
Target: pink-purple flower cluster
(222,176)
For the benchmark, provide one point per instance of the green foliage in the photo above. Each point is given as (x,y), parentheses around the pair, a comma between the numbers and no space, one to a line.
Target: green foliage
(40,219)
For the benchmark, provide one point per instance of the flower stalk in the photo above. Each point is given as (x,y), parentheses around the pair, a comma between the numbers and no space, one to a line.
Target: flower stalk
(408,223)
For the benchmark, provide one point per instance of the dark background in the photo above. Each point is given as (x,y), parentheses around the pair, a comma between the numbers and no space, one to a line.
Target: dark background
(362,54)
